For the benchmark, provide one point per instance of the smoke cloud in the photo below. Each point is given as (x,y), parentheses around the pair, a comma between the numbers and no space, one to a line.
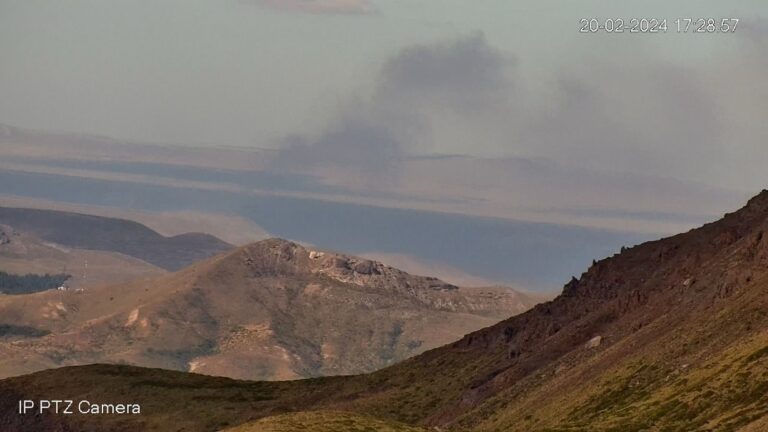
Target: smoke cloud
(417,87)
(624,114)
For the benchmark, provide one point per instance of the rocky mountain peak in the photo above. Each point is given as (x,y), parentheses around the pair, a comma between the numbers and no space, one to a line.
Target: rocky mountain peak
(282,257)
(754,215)
(759,201)
(270,257)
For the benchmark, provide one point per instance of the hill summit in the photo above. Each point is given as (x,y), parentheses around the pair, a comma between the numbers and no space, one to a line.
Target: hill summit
(268,310)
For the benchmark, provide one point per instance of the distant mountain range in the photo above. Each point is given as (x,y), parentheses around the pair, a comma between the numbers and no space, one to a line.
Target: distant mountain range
(22,253)
(671,335)
(129,238)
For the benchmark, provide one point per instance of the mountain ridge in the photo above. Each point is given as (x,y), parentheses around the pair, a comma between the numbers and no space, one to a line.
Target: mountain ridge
(130,238)
(667,335)
(611,288)
(269,310)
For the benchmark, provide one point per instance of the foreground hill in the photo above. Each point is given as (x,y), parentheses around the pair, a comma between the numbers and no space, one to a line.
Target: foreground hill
(270,310)
(80,231)
(670,335)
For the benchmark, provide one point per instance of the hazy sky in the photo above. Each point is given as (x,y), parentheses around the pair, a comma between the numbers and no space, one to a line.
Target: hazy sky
(399,77)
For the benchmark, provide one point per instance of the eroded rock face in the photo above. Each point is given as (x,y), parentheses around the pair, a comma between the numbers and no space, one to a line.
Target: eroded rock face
(365,267)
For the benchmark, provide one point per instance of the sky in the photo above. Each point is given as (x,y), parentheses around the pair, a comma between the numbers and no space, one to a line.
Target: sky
(349,123)
(352,88)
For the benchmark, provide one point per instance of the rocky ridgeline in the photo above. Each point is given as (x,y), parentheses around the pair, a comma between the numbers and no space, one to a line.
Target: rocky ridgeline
(365,272)
(669,279)
(277,257)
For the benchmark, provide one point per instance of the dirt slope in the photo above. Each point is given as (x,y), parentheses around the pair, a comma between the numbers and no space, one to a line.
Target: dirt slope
(270,310)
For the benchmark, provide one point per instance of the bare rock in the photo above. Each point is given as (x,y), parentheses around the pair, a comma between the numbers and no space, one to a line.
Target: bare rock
(594,342)
(365,267)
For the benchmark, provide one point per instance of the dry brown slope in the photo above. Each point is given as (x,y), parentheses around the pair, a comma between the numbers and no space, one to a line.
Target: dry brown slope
(683,340)
(271,310)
